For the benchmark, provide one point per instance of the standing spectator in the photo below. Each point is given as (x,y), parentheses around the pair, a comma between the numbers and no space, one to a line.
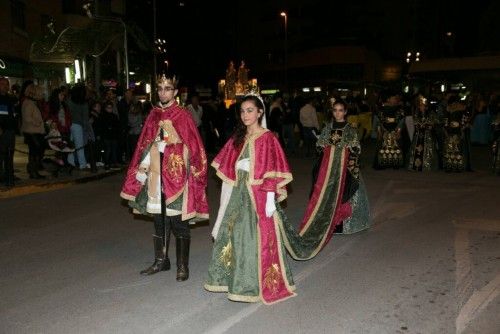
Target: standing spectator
(230,119)
(288,128)
(7,133)
(208,121)
(79,110)
(59,113)
(33,129)
(123,107)
(110,134)
(276,118)
(135,121)
(197,112)
(93,148)
(310,126)
(58,117)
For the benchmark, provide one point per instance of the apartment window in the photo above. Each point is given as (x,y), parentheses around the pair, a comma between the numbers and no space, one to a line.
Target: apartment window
(17,9)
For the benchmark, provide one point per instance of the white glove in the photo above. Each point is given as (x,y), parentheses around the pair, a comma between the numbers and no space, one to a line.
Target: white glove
(161,146)
(243,164)
(225,195)
(141,177)
(270,204)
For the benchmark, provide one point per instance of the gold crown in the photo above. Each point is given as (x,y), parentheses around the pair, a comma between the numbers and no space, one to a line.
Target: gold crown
(254,91)
(163,80)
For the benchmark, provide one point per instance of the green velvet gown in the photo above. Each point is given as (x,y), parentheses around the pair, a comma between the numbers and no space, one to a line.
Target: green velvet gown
(234,267)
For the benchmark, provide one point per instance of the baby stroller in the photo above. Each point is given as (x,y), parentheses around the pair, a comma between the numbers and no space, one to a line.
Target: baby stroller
(61,148)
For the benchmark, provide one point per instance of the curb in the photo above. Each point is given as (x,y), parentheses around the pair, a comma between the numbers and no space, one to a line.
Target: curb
(49,186)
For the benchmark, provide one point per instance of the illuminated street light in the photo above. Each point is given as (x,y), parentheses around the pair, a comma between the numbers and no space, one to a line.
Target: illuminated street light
(67,75)
(409,56)
(77,70)
(285,16)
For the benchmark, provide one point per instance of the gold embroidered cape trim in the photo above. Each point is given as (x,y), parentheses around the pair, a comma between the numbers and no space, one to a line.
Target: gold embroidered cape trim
(127,196)
(242,298)
(320,246)
(288,286)
(321,195)
(215,288)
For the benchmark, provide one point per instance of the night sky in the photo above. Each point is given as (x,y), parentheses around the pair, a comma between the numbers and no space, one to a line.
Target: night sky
(202,36)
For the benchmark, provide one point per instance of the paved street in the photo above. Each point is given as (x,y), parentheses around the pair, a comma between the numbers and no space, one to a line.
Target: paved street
(70,263)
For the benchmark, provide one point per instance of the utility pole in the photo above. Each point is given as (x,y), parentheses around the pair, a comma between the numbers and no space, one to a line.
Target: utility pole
(154,41)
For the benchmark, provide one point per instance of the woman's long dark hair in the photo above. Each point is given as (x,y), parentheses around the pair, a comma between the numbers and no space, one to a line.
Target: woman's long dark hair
(78,93)
(241,129)
(54,103)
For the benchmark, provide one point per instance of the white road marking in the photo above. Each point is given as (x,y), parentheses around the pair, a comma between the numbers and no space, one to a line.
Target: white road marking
(463,272)
(477,302)
(471,302)
(479,224)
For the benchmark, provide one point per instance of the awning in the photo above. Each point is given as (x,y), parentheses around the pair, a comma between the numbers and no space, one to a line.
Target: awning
(93,40)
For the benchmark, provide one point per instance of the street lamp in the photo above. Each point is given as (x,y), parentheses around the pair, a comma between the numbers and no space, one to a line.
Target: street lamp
(409,57)
(112,19)
(285,16)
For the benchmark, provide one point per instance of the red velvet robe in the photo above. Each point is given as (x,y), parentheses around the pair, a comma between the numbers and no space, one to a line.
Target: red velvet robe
(177,180)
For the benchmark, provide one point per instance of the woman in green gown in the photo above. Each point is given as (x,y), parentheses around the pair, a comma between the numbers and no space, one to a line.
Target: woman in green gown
(249,258)
(338,203)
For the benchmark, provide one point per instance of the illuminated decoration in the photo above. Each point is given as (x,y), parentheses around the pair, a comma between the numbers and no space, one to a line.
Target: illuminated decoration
(67,75)
(84,68)
(406,89)
(306,89)
(2,64)
(443,88)
(230,82)
(242,85)
(269,91)
(364,91)
(317,89)
(236,83)
(78,76)
(148,88)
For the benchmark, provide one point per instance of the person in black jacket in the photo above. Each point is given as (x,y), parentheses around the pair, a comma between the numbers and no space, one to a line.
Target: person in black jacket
(7,133)
(110,135)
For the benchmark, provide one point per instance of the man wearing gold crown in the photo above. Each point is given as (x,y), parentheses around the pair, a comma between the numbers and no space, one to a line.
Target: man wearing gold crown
(167,177)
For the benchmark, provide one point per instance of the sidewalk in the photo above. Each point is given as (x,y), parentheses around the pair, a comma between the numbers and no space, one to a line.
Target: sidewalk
(28,186)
